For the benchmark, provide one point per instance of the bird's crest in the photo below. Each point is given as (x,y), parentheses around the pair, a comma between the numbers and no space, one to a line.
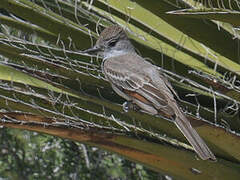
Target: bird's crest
(112,32)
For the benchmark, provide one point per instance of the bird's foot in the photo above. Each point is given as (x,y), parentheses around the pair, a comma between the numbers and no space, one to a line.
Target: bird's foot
(129,105)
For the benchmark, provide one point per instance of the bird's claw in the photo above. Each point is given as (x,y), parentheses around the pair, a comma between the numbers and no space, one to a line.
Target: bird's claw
(129,105)
(125,106)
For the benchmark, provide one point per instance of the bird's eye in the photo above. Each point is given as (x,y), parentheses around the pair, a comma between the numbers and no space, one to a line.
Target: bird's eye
(112,43)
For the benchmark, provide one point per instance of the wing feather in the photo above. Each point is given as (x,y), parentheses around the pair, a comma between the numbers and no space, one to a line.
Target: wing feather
(126,77)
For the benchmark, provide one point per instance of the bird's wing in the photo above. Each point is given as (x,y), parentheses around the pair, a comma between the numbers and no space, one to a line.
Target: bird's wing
(131,80)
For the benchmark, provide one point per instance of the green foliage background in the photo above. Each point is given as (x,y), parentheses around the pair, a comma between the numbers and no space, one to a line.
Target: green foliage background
(48,85)
(30,155)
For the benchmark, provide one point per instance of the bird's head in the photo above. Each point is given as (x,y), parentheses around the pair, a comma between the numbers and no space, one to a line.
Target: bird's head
(113,41)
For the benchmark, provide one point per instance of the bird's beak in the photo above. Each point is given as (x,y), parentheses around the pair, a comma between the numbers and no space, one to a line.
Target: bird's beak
(93,50)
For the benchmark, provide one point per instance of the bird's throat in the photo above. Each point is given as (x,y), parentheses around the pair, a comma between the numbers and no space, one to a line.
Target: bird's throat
(114,53)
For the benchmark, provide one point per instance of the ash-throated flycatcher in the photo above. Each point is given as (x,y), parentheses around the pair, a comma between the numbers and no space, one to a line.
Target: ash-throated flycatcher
(141,83)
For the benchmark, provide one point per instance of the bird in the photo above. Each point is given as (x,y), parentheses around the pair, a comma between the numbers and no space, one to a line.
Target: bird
(142,84)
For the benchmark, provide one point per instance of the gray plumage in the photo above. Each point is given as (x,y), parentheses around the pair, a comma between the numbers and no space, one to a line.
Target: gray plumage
(140,82)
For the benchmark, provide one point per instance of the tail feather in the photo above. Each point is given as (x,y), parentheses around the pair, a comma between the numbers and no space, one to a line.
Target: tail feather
(193,138)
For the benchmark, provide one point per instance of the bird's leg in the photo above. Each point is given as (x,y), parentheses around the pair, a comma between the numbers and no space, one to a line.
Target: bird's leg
(129,105)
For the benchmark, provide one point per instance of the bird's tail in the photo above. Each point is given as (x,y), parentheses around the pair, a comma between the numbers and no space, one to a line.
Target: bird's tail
(192,136)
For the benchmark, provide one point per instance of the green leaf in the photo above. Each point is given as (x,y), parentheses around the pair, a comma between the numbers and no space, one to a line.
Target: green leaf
(223,15)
